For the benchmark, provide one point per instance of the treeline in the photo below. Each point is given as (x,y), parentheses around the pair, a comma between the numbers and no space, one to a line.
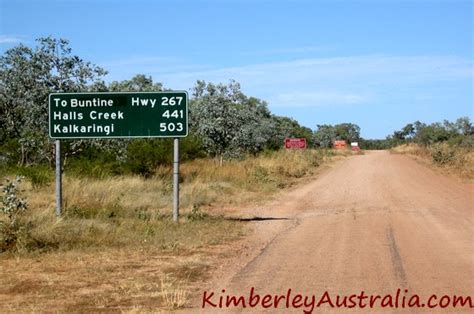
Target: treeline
(224,122)
(457,133)
(326,134)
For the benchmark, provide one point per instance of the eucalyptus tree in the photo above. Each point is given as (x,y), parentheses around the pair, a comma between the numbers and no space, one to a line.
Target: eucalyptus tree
(27,76)
(138,83)
(324,135)
(228,122)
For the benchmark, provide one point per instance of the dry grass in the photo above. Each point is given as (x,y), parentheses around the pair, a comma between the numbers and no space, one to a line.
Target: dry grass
(132,210)
(173,294)
(204,182)
(451,159)
(410,149)
(117,280)
(116,248)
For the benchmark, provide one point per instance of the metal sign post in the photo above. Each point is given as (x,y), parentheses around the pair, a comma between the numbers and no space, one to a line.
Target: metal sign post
(176,180)
(59,188)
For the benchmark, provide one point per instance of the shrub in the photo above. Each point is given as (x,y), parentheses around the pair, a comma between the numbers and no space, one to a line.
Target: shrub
(9,151)
(261,174)
(95,164)
(468,141)
(443,154)
(196,214)
(38,175)
(11,225)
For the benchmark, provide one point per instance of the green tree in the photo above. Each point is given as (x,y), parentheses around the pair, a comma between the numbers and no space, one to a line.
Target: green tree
(285,127)
(433,133)
(348,132)
(464,126)
(27,77)
(228,122)
(325,135)
(138,83)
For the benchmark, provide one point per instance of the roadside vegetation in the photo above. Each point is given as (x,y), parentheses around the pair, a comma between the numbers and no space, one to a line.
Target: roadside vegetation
(448,145)
(134,210)
(453,159)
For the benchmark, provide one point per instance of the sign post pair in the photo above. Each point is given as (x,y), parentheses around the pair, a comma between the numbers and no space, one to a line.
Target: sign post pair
(119,115)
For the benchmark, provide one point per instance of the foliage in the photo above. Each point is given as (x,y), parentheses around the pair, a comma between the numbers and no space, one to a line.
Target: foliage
(145,155)
(456,159)
(455,133)
(142,156)
(196,214)
(139,83)
(285,127)
(374,144)
(39,176)
(96,163)
(325,134)
(224,122)
(13,206)
(229,122)
(27,77)
(348,132)
(443,154)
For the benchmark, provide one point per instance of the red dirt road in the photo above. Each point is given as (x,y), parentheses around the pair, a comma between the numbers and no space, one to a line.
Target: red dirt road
(376,222)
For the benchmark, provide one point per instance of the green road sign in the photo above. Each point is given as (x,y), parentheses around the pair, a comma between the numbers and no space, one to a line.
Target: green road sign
(118,115)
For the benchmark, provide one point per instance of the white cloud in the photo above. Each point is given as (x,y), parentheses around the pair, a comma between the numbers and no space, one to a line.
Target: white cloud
(311,82)
(337,68)
(290,50)
(155,66)
(332,81)
(9,39)
(138,61)
(306,99)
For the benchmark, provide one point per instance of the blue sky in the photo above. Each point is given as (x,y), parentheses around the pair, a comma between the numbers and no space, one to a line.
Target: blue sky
(380,64)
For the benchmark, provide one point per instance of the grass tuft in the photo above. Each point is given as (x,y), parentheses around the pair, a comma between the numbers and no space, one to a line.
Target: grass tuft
(173,294)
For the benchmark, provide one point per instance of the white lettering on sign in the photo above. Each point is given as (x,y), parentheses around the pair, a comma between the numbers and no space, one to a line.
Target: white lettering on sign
(137,101)
(171,101)
(72,115)
(63,102)
(95,102)
(173,114)
(74,128)
(171,127)
(94,115)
